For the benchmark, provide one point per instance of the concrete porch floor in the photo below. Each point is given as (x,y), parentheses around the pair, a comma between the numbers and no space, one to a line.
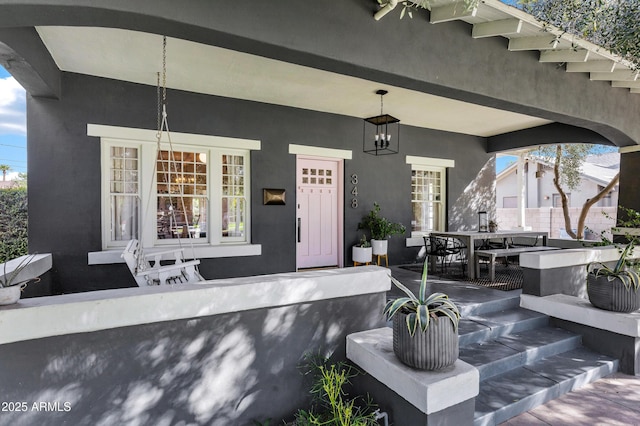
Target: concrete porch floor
(613,400)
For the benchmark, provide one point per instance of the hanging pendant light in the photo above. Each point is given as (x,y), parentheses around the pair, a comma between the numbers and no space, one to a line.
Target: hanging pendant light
(381,134)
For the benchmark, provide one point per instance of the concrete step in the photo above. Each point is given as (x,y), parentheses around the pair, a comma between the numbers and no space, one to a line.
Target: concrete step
(492,325)
(507,300)
(522,361)
(515,350)
(521,389)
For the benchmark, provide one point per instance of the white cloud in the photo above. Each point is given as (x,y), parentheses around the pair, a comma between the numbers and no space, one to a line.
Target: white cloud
(13,118)
(11,176)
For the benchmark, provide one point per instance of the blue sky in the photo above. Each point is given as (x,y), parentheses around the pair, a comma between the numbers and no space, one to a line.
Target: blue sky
(13,124)
(504,161)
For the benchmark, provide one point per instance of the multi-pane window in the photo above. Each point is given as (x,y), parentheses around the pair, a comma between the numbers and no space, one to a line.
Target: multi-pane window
(160,196)
(124,195)
(181,184)
(427,197)
(234,200)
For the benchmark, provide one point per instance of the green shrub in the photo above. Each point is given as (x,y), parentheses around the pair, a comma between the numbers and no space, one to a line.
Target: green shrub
(331,405)
(13,223)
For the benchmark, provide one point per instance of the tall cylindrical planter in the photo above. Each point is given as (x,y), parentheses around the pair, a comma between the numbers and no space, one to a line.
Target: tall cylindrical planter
(434,349)
(379,246)
(612,295)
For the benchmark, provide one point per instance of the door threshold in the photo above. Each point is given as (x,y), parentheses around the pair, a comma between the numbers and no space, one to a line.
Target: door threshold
(318,268)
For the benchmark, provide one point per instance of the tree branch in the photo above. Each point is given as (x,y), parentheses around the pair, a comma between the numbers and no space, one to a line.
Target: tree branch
(590,202)
(563,195)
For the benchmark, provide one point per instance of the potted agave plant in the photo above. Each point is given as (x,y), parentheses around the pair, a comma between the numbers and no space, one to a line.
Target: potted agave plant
(615,288)
(10,285)
(425,328)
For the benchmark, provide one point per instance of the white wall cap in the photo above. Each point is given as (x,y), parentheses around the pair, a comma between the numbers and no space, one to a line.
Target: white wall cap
(569,257)
(101,310)
(40,264)
(428,391)
(581,311)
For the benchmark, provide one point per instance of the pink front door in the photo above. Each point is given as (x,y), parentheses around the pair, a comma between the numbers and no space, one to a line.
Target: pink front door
(317,213)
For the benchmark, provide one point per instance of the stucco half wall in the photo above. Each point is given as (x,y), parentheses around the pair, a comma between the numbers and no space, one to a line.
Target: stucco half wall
(222,352)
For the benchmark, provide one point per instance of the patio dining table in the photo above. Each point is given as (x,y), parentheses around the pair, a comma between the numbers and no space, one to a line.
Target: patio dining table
(470,237)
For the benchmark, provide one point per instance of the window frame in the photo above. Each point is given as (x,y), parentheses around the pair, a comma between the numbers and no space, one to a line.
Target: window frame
(105,160)
(442,203)
(430,164)
(146,143)
(556,198)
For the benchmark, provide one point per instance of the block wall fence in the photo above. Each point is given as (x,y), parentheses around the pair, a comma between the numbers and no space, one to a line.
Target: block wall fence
(551,219)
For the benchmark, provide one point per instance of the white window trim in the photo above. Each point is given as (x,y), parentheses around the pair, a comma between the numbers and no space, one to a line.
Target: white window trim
(146,140)
(316,151)
(429,164)
(105,160)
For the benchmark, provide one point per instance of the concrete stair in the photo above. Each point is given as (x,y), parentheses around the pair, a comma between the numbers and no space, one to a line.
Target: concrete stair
(522,360)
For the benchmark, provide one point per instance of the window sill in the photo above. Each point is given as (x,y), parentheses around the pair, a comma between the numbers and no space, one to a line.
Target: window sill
(106,257)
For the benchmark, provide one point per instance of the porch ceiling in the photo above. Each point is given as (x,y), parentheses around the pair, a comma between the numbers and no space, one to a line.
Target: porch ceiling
(194,67)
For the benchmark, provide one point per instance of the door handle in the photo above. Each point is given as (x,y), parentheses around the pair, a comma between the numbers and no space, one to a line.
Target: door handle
(299,227)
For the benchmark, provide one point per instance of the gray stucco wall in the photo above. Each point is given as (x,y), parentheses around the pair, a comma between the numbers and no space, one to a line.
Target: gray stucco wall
(64,182)
(222,370)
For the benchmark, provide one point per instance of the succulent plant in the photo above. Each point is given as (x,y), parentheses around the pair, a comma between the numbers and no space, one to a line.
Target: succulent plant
(423,309)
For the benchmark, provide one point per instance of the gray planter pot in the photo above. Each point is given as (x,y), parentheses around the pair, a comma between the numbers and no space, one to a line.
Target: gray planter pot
(380,247)
(612,295)
(10,295)
(361,254)
(434,349)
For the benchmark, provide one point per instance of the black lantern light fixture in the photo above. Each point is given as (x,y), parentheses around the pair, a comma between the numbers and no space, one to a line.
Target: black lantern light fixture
(381,134)
(483,222)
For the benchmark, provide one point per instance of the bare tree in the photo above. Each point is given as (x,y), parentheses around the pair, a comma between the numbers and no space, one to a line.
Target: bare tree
(567,162)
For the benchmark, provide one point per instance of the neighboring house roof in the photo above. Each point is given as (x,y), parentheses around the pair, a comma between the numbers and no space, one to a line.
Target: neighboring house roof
(7,184)
(600,168)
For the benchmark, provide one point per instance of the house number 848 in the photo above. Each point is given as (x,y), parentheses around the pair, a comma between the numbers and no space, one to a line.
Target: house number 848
(354,191)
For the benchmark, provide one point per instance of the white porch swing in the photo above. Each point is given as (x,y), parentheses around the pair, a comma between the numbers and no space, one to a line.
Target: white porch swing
(147,268)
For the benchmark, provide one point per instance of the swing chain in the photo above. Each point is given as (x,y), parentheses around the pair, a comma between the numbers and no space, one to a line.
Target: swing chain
(164,70)
(159,105)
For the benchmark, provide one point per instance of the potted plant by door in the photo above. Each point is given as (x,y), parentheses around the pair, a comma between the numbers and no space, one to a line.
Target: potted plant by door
(425,328)
(10,287)
(380,228)
(615,289)
(362,252)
